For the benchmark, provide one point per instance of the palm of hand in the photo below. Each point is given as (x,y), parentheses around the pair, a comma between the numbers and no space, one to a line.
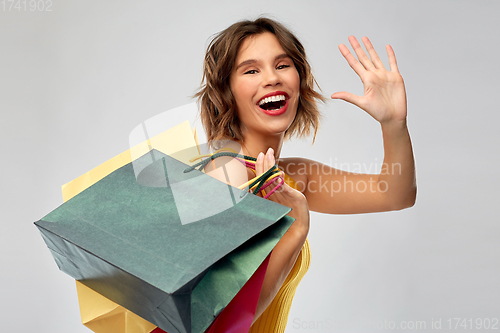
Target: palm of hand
(285,195)
(384,91)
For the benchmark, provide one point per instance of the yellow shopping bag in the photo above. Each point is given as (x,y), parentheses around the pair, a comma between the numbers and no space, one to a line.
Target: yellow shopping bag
(97,312)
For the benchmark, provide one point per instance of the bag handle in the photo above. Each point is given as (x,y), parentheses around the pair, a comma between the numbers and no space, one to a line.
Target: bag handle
(258,183)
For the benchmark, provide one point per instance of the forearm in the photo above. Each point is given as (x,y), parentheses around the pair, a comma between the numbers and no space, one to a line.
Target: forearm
(281,262)
(397,177)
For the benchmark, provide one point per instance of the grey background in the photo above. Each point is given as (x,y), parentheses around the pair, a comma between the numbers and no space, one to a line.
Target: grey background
(75,81)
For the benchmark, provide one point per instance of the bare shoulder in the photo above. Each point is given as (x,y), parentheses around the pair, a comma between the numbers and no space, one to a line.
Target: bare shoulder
(228,169)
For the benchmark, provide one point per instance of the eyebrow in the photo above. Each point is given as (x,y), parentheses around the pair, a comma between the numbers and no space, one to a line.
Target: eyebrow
(251,61)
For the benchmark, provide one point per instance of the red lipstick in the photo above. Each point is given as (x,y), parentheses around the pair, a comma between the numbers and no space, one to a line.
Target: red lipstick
(276,112)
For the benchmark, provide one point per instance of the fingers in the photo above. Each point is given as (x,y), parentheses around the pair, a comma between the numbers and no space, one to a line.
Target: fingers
(264,162)
(259,164)
(392,59)
(284,193)
(348,97)
(362,57)
(373,55)
(351,60)
(364,62)
(269,162)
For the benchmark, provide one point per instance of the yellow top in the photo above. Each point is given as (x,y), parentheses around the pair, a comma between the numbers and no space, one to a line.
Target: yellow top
(275,317)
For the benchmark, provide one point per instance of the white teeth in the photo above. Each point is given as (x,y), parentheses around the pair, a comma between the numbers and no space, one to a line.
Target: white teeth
(272,99)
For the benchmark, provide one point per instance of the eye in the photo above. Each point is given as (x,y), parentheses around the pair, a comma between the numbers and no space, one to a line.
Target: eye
(283,66)
(252,71)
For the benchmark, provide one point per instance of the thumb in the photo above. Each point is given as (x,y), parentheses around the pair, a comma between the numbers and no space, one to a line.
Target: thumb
(348,97)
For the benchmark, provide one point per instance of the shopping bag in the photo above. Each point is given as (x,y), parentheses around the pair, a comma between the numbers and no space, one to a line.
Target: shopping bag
(102,315)
(98,313)
(238,315)
(128,241)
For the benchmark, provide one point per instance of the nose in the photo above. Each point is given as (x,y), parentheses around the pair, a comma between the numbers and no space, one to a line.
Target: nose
(271,78)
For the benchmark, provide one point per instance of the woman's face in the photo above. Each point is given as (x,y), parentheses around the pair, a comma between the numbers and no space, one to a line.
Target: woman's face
(265,85)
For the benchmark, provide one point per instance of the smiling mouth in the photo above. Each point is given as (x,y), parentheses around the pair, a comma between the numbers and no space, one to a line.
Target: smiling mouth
(273,103)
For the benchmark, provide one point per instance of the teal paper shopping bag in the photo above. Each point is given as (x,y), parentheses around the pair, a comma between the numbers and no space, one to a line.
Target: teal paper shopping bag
(158,245)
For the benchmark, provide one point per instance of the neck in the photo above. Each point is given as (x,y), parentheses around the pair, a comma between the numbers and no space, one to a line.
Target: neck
(252,145)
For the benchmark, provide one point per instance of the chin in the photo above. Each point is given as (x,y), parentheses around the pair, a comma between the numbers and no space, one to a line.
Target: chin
(277,129)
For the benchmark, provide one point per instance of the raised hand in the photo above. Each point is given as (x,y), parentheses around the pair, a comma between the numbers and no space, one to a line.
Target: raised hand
(384,95)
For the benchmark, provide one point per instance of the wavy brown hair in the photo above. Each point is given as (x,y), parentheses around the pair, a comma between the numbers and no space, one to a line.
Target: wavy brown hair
(217,105)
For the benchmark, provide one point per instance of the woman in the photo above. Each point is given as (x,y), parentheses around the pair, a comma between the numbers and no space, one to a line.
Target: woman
(257,91)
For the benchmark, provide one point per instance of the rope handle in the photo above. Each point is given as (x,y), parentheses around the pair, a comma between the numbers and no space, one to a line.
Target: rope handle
(257,183)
